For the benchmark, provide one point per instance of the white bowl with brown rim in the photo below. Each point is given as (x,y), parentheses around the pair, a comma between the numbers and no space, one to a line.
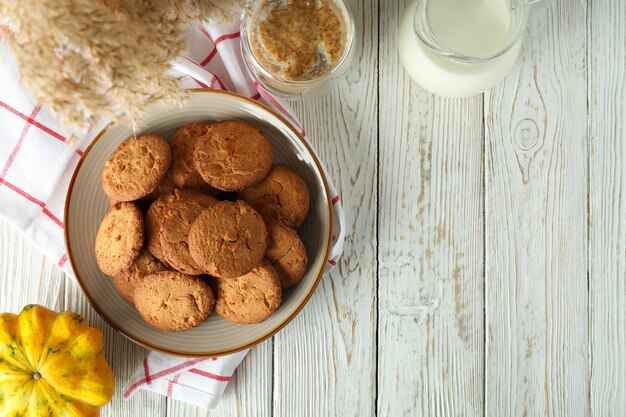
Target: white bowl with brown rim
(86,205)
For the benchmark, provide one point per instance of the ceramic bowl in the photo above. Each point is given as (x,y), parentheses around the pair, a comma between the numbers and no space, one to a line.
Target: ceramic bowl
(86,205)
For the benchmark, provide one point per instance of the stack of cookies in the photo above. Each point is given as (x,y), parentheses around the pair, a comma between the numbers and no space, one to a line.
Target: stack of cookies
(201,223)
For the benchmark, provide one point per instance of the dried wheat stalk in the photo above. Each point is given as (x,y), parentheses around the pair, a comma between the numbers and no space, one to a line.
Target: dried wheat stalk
(86,58)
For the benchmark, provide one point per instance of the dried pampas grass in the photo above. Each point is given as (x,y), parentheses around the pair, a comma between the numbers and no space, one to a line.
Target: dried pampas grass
(86,58)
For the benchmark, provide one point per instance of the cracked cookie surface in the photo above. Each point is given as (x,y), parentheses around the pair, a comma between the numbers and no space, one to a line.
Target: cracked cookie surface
(281,197)
(232,155)
(119,238)
(178,216)
(228,239)
(173,301)
(287,254)
(136,167)
(250,298)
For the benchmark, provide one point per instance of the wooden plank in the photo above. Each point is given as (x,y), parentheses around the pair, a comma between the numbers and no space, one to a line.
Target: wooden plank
(248,394)
(536,224)
(26,276)
(324,360)
(430,345)
(124,357)
(607,111)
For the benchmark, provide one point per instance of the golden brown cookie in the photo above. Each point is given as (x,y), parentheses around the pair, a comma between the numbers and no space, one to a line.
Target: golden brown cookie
(228,239)
(232,156)
(136,167)
(144,264)
(183,170)
(172,301)
(154,217)
(178,216)
(119,238)
(251,298)
(282,196)
(287,254)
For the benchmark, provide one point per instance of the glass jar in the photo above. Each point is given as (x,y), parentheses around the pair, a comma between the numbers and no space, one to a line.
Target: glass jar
(294,48)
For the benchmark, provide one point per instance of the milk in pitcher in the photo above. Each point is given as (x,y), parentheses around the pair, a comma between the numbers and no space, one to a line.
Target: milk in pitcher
(471,54)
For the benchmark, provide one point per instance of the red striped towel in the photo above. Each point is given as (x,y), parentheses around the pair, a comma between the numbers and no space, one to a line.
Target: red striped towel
(199,381)
(38,157)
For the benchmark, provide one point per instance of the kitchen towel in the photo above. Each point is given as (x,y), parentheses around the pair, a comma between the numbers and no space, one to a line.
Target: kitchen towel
(38,158)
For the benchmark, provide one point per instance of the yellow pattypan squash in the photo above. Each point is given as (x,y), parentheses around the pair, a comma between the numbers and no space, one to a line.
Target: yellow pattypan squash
(51,365)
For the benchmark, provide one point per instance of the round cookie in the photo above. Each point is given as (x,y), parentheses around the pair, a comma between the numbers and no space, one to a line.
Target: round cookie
(144,264)
(183,169)
(282,196)
(228,239)
(287,254)
(251,298)
(232,156)
(136,167)
(178,215)
(154,217)
(119,238)
(172,301)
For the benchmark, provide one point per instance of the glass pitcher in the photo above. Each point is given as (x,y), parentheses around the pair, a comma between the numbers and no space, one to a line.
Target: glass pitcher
(460,48)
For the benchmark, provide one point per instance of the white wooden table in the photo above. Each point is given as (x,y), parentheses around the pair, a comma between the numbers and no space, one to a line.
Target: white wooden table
(484,272)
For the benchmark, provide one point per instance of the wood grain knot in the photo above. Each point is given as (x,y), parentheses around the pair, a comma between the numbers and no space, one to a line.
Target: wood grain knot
(526,135)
